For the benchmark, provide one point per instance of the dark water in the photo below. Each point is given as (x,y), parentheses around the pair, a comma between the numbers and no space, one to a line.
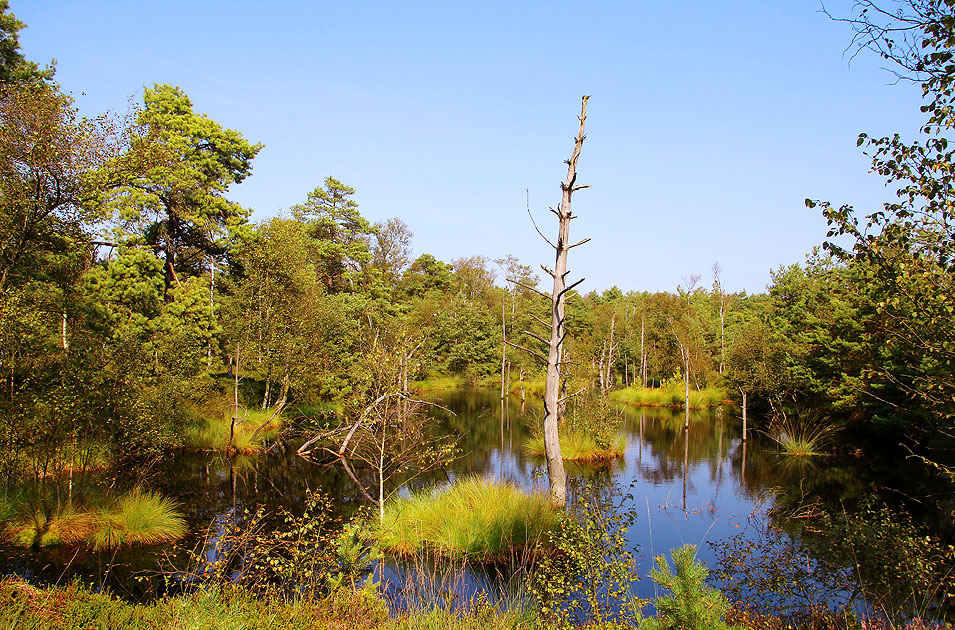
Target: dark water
(685,486)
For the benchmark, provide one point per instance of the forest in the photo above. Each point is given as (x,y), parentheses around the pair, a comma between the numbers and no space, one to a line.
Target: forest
(144,317)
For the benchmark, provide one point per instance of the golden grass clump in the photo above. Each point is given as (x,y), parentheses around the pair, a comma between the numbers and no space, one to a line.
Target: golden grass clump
(580,447)
(801,440)
(138,518)
(473,518)
(672,394)
(213,433)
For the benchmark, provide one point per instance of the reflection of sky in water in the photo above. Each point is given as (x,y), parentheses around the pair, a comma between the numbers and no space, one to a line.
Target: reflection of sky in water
(707,504)
(209,487)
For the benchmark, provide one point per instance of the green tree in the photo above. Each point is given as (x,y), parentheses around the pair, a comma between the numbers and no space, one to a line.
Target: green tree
(51,167)
(14,68)
(183,164)
(691,605)
(910,243)
(340,233)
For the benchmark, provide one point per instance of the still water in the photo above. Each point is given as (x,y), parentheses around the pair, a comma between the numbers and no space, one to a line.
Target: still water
(692,486)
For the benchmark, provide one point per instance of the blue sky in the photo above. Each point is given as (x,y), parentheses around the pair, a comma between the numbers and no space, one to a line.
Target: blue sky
(709,122)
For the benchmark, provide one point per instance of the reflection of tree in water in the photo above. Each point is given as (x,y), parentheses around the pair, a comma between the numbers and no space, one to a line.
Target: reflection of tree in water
(482,436)
(844,530)
(665,450)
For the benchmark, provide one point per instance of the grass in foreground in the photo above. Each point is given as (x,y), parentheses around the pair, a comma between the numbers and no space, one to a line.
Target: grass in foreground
(76,607)
(214,433)
(580,447)
(473,518)
(138,518)
(670,395)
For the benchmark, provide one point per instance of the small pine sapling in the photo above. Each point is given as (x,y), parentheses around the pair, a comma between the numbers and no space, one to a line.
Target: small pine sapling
(692,605)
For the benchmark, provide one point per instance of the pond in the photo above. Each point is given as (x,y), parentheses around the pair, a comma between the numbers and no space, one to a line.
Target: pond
(693,486)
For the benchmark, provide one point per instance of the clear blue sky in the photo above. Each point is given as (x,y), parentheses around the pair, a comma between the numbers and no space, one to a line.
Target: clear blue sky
(709,122)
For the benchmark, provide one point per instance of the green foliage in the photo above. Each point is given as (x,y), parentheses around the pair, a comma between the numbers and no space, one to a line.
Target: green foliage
(13,66)
(836,559)
(180,165)
(587,571)
(472,518)
(299,555)
(908,246)
(338,232)
(691,605)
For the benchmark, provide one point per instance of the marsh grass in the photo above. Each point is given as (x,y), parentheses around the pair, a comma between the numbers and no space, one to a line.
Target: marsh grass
(137,518)
(76,607)
(437,383)
(581,447)
(213,432)
(474,518)
(670,395)
(532,387)
(801,439)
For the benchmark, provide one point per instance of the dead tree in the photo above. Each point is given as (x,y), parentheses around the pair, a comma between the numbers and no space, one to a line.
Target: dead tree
(552,402)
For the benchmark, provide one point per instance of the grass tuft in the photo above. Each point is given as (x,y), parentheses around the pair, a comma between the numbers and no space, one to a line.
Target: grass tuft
(670,395)
(800,440)
(580,447)
(213,434)
(473,518)
(138,518)
(437,383)
(147,518)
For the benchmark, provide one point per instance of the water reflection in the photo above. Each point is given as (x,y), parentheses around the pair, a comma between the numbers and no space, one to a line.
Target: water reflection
(692,483)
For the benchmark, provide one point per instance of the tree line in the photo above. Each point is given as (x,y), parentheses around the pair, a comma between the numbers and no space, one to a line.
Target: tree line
(132,290)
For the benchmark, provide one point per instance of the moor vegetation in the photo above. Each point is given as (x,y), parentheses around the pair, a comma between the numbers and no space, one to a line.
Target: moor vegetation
(142,314)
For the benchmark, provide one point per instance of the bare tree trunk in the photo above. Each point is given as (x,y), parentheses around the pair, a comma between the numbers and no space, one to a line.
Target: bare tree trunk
(268,387)
(555,462)
(235,414)
(643,353)
(212,307)
(744,414)
(608,379)
(66,343)
(686,384)
(718,286)
(600,369)
(503,346)
(283,394)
